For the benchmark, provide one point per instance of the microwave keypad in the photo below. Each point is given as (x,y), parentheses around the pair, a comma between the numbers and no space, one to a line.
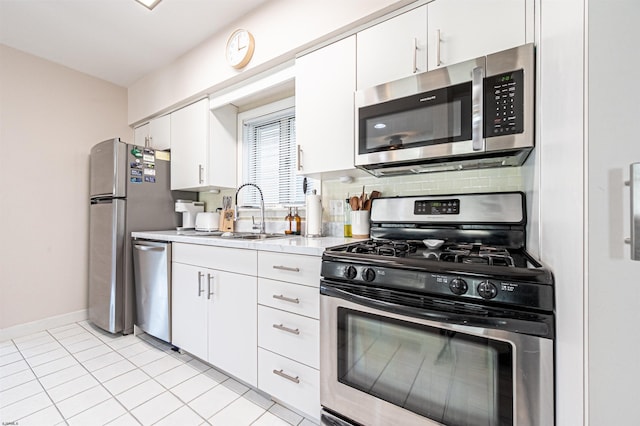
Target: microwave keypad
(503,104)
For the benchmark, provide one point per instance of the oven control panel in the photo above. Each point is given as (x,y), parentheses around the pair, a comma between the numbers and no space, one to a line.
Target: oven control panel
(460,286)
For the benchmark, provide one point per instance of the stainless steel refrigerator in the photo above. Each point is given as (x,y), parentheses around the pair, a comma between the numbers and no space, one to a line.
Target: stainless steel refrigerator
(129,191)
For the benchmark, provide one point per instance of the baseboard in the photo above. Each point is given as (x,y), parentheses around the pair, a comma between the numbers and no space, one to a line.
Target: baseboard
(21,330)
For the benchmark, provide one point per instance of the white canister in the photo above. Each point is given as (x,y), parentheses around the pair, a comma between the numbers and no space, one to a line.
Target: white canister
(314,215)
(360,224)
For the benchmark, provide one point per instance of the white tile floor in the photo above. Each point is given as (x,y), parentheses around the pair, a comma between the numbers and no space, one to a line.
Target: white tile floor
(80,375)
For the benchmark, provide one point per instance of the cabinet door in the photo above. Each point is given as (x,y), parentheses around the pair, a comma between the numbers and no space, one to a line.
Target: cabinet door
(141,135)
(160,133)
(325,82)
(189,309)
(189,138)
(484,27)
(393,49)
(233,332)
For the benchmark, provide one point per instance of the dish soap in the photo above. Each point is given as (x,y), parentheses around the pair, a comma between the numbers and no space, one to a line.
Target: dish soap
(289,218)
(298,221)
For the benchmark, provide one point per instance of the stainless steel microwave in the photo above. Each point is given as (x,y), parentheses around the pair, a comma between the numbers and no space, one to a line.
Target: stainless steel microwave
(474,114)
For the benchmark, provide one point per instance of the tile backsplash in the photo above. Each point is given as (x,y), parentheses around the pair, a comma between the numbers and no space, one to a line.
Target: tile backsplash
(464,181)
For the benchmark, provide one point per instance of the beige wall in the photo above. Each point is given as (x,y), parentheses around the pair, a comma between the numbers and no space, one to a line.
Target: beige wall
(281,29)
(50,116)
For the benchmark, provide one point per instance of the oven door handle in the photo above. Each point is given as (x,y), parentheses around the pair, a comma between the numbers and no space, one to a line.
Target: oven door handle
(534,328)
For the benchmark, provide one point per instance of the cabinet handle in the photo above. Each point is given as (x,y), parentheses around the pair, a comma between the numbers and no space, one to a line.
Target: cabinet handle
(209,286)
(286,299)
(286,268)
(200,169)
(200,289)
(634,186)
(477,78)
(286,376)
(299,165)
(415,55)
(287,329)
(438,61)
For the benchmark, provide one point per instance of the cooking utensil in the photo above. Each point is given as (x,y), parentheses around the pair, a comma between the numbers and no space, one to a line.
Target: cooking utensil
(367,204)
(354,202)
(375,194)
(363,198)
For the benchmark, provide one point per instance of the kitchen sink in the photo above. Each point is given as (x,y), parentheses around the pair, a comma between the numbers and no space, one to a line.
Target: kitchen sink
(233,235)
(253,236)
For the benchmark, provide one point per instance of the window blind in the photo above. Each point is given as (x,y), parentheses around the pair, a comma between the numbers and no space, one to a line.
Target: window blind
(270,160)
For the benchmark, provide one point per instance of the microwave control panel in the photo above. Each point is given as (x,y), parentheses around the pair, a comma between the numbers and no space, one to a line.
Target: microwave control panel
(504,104)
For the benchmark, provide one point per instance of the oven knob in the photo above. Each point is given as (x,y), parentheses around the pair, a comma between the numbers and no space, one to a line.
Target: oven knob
(458,286)
(350,272)
(368,275)
(487,290)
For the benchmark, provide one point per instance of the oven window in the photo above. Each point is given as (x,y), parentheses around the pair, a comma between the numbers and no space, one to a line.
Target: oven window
(430,118)
(450,377)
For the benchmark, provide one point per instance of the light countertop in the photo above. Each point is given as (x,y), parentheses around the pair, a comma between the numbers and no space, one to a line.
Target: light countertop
(312,246)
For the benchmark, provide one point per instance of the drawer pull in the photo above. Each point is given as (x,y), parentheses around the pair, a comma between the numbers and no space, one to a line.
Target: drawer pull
(286,268)
(286,299)
(287,329)
(286,376)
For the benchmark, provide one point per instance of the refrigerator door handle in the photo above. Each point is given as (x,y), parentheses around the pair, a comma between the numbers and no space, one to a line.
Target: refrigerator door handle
(634,186)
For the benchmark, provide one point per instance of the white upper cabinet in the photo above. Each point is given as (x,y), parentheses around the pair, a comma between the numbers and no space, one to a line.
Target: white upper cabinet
(465,29)
(325,82)
(155,134)
(190,136)
(393,49)
(203,147)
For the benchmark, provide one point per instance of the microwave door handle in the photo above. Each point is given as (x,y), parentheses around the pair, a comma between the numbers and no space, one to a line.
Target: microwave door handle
(477,125)
(634,186)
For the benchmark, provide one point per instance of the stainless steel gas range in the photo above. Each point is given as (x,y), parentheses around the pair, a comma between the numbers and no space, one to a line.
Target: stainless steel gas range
(442,317)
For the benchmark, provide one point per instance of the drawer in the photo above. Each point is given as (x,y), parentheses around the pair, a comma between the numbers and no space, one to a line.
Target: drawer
(291,335)
(228,259)
(292,383)
(295,298)
(293,268)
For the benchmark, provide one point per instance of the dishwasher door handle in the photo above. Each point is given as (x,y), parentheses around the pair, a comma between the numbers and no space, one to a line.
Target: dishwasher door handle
(148,248)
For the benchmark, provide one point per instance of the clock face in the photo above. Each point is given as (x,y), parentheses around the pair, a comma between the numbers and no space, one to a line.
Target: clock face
(240,48)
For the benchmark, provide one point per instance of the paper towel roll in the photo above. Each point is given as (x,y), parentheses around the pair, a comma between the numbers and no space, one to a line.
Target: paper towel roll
(314,215)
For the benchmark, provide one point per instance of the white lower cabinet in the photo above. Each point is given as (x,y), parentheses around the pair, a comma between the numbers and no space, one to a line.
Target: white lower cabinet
(289,329)
(214,298)
(294,383)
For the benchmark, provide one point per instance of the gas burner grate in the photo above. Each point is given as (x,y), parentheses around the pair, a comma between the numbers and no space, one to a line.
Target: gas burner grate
(476,254)
(388,248)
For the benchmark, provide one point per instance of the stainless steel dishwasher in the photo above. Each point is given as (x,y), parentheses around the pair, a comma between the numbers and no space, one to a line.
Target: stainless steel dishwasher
(152,279)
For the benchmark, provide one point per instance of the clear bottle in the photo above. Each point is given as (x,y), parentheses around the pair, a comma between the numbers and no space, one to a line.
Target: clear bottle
(289,218)
(347,219)
(298,221)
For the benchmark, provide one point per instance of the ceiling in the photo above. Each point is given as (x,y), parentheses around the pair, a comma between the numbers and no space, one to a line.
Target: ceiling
(116,40)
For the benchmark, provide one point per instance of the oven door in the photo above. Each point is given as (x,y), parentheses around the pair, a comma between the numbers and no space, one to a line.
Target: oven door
(382,366)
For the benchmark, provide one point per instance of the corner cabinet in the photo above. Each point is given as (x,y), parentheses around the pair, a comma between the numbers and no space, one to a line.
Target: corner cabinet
(214,298)
(203,147)
(325,82)
(155,134)
(393,49)
(483,27)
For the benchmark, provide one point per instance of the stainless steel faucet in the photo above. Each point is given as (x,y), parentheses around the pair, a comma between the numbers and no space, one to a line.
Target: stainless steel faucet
(235,218)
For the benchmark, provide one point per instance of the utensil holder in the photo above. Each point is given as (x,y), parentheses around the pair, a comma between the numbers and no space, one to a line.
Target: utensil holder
(360,224)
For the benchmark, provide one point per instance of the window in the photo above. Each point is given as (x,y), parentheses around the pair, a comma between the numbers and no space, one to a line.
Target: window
(269,157)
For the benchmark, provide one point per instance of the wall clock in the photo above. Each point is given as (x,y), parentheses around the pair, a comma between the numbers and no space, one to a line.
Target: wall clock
(240,47)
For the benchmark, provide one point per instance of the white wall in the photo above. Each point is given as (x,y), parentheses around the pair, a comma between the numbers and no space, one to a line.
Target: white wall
(281,29)
(50,117)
